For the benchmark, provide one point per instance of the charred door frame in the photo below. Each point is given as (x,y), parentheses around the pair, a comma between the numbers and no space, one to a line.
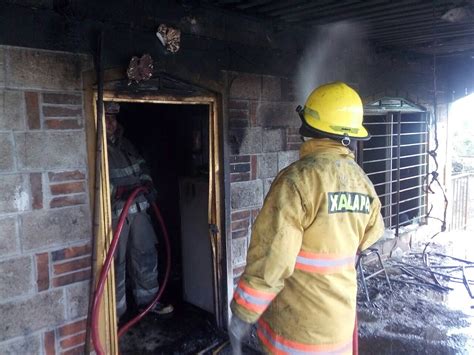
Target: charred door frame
(116,90)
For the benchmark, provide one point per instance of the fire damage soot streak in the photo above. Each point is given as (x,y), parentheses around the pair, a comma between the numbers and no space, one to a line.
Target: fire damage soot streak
(348,202)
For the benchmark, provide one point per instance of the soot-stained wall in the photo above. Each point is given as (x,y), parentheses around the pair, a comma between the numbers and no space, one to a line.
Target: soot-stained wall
(45,219)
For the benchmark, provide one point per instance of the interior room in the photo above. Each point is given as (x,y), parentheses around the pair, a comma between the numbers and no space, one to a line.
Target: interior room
(173,139)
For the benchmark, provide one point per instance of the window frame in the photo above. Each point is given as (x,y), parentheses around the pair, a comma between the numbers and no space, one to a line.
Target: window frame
(392,112)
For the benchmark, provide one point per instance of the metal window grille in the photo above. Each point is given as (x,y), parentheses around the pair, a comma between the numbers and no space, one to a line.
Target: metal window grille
(396,161)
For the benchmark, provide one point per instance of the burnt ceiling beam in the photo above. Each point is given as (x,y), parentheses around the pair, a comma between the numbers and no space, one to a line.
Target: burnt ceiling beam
(368,20)
(428,14)
(413,25)
(308,6)
(346,7)
(417,43)
(228,2)
(359,10)
(278,7)
(415,30)
(426,38)
(251,4)
(379,13)
(225,2)
(410,23)
(428,33)
(373,29)
(392,19)
(464,45)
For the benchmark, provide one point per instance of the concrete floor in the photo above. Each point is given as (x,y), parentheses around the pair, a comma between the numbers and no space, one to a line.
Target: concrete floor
(417,319)
(187,331)
(412,319)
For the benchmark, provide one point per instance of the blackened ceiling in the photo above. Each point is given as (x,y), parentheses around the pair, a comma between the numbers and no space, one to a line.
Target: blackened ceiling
(444,27)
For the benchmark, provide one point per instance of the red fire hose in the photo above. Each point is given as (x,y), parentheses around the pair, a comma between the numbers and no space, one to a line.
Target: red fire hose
(355,339)
(106,268)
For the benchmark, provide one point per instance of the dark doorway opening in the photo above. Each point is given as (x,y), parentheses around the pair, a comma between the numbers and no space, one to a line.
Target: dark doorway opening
(174,141)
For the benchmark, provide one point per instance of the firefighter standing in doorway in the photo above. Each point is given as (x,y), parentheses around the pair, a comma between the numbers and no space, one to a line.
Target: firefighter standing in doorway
(300,282)
(136,259)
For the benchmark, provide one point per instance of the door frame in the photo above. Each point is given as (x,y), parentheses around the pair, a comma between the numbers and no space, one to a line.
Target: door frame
(216,214)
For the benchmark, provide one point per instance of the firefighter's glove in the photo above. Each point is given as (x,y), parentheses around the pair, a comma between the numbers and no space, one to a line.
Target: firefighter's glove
(238,330)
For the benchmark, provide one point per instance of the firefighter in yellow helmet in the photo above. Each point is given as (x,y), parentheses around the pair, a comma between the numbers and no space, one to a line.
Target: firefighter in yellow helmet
(299,284)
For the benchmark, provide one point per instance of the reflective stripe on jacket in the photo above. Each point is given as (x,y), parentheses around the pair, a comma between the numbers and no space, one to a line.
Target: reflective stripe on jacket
(127,169)
(134,208)
(300,280)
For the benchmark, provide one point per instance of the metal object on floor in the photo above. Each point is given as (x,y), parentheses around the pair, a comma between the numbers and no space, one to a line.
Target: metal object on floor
(216,345)
(424,281)
(466,283)
(360,269)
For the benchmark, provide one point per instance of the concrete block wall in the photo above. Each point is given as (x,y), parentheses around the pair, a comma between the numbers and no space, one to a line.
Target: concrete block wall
(264,139)
(45,222)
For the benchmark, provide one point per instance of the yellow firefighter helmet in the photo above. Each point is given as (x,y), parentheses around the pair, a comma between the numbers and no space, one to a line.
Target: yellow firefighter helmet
(334,110)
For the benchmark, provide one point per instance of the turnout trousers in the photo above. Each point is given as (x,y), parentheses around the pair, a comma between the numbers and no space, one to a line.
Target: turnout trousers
(136,261)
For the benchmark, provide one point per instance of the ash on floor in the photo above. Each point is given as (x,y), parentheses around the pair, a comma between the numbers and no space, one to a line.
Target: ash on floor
(411,319)
(417,319)
(187,331)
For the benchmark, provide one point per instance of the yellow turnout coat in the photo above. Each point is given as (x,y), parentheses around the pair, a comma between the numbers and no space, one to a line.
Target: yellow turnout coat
(300,278)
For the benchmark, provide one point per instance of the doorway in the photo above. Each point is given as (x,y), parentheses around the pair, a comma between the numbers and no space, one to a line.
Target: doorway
(172,139)
(178,139)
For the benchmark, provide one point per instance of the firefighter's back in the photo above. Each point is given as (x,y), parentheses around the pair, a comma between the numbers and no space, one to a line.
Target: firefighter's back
(315,311)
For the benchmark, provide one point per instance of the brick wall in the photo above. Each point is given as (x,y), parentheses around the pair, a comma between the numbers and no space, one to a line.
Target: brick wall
(264,139)
(45,231)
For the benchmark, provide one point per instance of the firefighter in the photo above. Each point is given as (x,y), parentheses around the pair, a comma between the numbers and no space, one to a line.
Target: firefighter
(300,282)
(136,259)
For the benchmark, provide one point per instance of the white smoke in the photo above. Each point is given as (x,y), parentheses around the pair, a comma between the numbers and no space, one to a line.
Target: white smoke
(333,55)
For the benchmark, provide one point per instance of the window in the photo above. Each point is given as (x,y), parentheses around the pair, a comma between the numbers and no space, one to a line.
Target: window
(396,159)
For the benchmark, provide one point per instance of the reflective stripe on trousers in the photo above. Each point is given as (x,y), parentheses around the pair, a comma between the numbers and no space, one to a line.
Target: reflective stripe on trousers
(277,344)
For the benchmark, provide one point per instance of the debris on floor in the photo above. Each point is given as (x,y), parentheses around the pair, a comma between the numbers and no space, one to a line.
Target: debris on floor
(188,330)
(429,310)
